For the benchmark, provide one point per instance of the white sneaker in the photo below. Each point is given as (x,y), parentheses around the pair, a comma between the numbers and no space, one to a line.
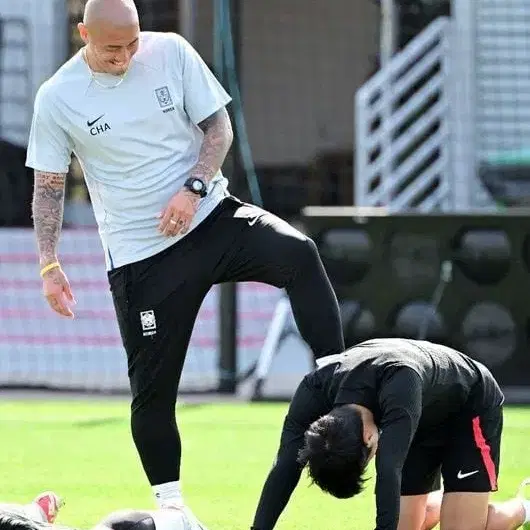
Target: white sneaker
(173,517)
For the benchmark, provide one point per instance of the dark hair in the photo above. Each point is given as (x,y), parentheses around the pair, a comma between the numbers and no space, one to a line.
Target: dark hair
(335,453)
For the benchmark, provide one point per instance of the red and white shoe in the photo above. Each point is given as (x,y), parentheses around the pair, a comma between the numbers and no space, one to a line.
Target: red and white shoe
(50,503)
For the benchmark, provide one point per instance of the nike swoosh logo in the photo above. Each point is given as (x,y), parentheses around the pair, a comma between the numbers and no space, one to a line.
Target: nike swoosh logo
(90,123)
(465,475)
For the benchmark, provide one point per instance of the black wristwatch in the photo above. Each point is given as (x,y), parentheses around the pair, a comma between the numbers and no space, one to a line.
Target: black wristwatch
(197,186)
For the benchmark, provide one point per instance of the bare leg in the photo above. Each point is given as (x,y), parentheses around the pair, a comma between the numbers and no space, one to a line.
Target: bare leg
(432,510)
(508,515)
(411,511)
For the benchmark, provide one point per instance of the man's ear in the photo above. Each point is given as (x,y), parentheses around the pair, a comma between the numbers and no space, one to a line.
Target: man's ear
(83,32)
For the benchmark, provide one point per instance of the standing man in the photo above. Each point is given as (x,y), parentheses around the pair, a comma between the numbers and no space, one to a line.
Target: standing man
(147,121)
(439,412)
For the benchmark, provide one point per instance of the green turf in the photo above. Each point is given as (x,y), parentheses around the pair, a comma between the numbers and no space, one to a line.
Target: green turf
(83,450)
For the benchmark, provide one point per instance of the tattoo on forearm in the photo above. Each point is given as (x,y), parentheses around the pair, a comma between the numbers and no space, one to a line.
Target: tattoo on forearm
(48,208)
(218,137)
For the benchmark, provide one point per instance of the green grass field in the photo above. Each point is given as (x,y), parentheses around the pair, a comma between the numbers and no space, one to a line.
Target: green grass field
(83,450)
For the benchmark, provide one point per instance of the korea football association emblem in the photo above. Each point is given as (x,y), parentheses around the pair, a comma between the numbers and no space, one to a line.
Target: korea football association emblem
(148,321)
(164,97)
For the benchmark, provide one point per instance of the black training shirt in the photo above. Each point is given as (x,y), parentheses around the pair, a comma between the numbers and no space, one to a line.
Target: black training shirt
(408,385)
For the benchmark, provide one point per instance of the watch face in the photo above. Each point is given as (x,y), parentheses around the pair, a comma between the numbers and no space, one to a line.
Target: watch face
(198,185)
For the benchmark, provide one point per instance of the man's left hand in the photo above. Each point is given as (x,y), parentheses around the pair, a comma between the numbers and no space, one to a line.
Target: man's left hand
(176,218)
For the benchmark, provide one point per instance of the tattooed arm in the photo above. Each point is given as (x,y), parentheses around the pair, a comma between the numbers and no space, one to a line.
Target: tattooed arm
(217,140)
(177,217)
(48,207)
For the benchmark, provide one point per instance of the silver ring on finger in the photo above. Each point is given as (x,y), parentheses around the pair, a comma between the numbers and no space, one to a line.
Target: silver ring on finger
(173,222)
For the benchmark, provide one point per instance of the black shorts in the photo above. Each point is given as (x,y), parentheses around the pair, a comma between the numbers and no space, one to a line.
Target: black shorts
(467,456)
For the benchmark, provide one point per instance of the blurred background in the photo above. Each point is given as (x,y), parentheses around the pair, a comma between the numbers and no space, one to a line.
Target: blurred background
(396,133)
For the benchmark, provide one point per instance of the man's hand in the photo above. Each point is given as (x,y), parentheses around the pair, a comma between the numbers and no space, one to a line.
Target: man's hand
(57,291)
(178,214)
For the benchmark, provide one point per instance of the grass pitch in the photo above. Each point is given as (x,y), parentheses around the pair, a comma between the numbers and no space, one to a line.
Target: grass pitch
(83,450)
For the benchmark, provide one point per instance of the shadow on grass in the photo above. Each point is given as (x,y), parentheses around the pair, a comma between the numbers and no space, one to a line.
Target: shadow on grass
(100,422)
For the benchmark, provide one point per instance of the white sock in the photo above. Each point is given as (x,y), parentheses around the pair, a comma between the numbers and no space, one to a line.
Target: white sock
(168,494)
(526,506)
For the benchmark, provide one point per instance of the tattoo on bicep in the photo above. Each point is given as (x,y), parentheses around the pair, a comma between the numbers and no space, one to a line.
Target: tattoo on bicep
(216,143)
(47,209)
(219,120)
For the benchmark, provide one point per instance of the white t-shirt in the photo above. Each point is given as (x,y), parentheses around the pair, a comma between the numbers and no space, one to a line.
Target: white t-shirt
(136,143)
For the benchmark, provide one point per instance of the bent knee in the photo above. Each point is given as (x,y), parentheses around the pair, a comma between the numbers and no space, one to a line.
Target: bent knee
(500,519)
(303,253)
(432,516)
(432,510)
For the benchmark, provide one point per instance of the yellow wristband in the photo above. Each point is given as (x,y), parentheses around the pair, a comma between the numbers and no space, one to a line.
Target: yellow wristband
(49,267)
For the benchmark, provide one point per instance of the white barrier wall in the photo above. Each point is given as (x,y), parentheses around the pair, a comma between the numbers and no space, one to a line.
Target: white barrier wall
(38,347)
(33,45)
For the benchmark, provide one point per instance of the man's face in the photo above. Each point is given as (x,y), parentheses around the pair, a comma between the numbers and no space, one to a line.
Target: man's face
(111,47)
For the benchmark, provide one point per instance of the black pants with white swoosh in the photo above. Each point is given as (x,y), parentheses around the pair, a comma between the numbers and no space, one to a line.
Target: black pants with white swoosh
(157,301)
